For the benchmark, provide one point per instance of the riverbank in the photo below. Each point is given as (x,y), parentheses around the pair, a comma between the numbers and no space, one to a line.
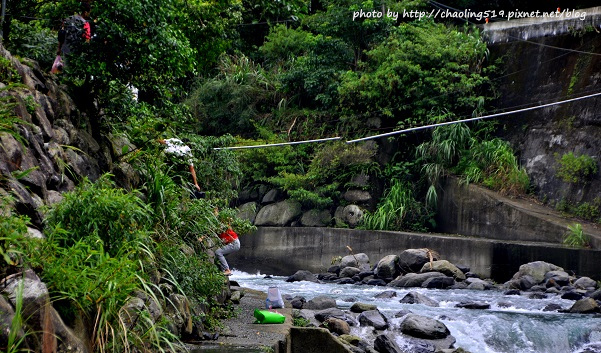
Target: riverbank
(241,334)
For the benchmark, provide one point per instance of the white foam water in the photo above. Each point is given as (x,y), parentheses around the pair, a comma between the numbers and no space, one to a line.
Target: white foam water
(513,324)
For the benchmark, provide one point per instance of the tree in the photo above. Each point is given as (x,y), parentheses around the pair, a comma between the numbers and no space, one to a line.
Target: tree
(422,72)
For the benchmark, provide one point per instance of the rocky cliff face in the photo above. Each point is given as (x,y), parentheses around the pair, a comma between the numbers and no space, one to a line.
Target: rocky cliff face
(538,74)
(56,147)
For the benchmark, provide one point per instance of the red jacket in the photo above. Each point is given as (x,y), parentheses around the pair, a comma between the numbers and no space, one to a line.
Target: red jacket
(228,236)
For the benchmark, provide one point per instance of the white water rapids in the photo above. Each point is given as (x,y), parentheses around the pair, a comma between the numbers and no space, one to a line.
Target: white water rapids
(512,324)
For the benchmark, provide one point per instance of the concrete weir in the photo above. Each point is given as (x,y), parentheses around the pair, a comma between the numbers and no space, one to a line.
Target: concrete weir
(284,250)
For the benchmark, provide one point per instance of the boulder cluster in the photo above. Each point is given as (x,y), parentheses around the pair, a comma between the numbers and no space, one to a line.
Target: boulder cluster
(539,280)
(419,332)
(267,206)
(423,268)
(411,268)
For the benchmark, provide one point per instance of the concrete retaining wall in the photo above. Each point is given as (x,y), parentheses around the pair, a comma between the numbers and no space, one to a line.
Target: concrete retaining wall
(477,212)
(283,251)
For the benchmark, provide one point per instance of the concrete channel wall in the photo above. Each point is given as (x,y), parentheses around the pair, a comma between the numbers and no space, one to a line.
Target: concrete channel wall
(284,250)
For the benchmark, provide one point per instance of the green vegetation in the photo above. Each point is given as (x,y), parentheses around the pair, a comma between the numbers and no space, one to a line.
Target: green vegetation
(16,335)
(33,40)
(575,236)
(298,320)
(475,156)
(574,169)
(399,210)
(104,249)
(101,212)
(590,211)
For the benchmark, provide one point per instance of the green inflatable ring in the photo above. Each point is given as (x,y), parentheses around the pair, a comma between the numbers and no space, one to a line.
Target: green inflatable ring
(268,317)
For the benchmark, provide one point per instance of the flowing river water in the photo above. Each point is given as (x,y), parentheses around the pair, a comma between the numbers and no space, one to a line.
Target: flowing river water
(514,323)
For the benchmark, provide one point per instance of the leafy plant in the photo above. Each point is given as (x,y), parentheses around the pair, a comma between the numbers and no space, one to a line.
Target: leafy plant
(456,149)
(398,210)
(12,231)
(231,100)
(8,73)
(300,321)
(576,237)
(574,169)
(423,72)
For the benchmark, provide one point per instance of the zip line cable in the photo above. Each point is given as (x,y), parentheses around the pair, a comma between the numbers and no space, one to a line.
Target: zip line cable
(279,144)
(473,119)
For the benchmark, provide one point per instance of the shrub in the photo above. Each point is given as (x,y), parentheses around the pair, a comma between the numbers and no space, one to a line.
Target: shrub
(101,211)
(587,211)
(33,40)
(490,162)
(574,169)
(230,101)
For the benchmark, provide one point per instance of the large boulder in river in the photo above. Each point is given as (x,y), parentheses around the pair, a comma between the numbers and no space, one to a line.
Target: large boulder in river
(349,272)
(445,267)
(278,214)
(413,279)
(324,314)
(361,307)
(585,306)
(302,275)
(387,344)
(424,327)
(387,267)
(360,260)
(417,298)
(337,326)
(320,302)
(439,282)
(373,318)
(536,270)
(412,260)
(585,283)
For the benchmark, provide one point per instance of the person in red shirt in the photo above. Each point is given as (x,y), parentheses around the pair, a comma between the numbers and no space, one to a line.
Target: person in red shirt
(231,244)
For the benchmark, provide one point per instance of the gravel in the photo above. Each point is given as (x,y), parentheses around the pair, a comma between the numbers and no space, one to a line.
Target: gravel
(242,334)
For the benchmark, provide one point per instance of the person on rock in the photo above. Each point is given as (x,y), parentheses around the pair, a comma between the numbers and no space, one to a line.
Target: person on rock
(230,243)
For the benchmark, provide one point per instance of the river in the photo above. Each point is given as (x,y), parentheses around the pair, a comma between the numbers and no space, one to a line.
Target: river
(512,324)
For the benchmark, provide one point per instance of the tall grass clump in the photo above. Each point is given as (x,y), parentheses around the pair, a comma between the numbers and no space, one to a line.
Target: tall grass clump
(475,156)
(576,237)
(95,261)
(398,210)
